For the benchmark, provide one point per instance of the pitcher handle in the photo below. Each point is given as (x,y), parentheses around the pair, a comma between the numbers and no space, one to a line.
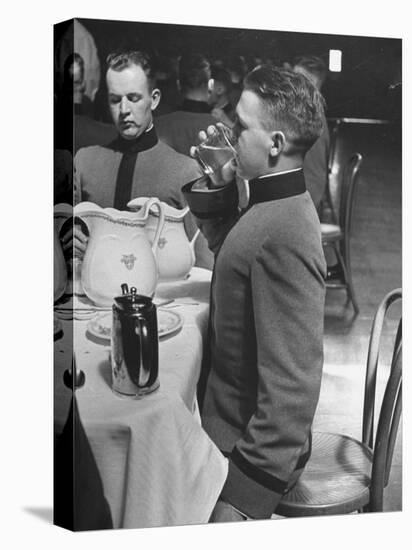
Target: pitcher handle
(159,228)
(192,242)
(185,210)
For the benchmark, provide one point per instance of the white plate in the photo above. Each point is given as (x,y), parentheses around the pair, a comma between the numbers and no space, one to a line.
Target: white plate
(168,322)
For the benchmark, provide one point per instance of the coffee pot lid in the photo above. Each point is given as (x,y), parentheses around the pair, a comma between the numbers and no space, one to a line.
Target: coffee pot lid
(131,299)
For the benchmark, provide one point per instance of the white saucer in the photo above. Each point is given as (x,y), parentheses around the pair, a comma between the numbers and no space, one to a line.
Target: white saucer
(168,322)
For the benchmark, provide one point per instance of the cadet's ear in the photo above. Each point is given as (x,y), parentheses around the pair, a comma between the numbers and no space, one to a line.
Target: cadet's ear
(278,143)
(156,95)
(219,88)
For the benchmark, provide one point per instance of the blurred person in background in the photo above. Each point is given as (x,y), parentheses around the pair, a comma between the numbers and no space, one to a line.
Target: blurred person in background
(313,67)
(86,130)
(166,79)
(219,96)
(237,67)
(180,129)
(193,81)
(315,165)
(74,79)
(78,39)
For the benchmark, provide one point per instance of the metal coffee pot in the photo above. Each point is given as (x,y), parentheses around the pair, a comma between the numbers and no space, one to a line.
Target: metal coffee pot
(135,344)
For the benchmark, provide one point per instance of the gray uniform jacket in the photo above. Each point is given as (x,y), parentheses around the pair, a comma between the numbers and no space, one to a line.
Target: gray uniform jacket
(159,172)
(266,340)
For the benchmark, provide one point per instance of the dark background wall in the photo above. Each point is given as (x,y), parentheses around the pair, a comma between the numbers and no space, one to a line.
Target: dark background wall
(364,88)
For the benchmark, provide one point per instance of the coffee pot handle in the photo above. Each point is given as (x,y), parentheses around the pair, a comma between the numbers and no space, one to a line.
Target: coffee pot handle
(156,202)
(144,355)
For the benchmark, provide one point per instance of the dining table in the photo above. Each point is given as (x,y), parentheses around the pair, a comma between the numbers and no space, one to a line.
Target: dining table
(157,465)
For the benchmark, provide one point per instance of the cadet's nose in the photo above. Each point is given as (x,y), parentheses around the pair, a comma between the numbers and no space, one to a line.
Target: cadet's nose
(124,105)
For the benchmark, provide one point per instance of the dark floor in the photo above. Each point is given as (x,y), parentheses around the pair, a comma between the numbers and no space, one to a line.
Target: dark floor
(377,269)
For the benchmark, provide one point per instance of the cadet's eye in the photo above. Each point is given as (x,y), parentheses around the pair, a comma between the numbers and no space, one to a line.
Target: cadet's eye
(113,99)
(134,98)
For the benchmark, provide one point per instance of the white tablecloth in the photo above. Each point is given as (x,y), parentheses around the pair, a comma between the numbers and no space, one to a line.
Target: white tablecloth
(157,465)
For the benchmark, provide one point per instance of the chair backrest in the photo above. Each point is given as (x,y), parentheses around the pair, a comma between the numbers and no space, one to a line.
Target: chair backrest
(340,190)
(333,132)
(383,442)
(348,182)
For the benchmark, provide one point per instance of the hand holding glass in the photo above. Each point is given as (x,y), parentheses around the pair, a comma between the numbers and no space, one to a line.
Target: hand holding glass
(214,152)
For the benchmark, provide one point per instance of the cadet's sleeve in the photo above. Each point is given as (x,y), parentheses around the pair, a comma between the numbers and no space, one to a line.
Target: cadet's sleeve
(215,211)
(287,288)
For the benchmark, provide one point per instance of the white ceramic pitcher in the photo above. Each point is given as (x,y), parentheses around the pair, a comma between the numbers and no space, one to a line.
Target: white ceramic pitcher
(175,253)
(118,251)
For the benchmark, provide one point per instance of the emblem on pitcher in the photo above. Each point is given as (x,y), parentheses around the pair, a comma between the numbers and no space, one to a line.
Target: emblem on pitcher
(128,260)
(162,242)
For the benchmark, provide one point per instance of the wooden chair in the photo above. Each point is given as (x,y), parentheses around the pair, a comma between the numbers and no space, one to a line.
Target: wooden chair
(343,474)
(333,146)
(326,209)
(337,235)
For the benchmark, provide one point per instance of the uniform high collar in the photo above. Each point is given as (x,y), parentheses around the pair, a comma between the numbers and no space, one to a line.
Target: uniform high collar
(194,106)
(146,141)
(276,186)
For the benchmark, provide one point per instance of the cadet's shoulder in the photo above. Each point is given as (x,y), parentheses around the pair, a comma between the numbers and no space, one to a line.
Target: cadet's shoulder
(177,160)
(91,153)
(288,220)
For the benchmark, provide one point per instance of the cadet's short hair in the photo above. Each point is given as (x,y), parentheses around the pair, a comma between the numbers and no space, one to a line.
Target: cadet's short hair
(291,103)
(220,74)
(194,71)
(313,65)
(117,61)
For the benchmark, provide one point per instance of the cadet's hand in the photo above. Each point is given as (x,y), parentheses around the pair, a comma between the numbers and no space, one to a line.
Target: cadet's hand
(220,115)
(224,512)
(203,135)
(228,170)
(74,242)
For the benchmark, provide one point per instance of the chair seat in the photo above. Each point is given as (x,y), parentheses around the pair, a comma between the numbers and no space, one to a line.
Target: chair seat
(335,480)
(330,232)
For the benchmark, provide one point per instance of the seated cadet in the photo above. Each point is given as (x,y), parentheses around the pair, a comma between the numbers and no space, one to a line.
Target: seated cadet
(136,163)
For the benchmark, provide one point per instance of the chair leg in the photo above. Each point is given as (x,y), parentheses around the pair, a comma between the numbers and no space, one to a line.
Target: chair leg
(347,260)
(348,280)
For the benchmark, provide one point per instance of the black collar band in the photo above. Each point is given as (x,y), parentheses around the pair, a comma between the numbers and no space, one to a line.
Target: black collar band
(194,106)
(146,141)
(275,187)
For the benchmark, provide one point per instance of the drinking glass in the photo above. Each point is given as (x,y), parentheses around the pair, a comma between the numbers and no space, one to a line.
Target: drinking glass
(213,153)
